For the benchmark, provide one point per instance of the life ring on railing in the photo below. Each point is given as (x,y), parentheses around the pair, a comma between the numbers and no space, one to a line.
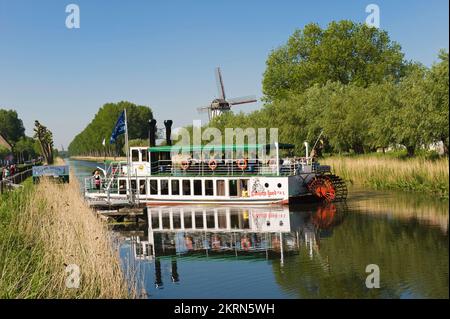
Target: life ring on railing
(245,243)
(242,163)
(185,165)
(212,164)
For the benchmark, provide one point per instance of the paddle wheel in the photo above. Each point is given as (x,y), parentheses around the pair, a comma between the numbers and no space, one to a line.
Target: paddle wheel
(328,187)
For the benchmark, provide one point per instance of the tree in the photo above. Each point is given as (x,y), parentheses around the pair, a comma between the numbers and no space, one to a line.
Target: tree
(89,141)
(4,152)
(11,126)
(410,115)
(25,148)
(437,87)
(45,138)
(345,52)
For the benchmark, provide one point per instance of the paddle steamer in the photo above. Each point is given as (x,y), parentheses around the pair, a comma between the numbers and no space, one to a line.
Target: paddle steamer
(220,175)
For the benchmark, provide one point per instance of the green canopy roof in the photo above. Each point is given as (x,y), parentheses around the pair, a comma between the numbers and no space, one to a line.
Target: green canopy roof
(206,148)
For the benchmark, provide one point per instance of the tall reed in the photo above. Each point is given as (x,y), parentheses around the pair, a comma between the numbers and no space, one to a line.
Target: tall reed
(45,228)
(416,174)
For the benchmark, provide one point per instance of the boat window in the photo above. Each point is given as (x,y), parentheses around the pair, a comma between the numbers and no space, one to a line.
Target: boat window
(142,187)
(199,220)
(187,220)
(175,187)
(164,187)
(122,186)
(209,187)
(245,220)
(135,155)
(243,188)
(153,187)
(222,219)
(220,188)
(197,187)
(166,220)
(155,220)
(176,221)
(144,154)
(234,220)
(233,187)
(186,187)
(210,221)
(133,185)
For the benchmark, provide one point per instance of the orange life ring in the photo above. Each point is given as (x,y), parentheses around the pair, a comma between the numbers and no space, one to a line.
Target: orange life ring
(185,165)
(242,163)
(212,164)
(245,243)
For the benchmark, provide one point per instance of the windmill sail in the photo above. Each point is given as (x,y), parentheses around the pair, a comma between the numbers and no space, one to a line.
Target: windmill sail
(243,100)
(220,85)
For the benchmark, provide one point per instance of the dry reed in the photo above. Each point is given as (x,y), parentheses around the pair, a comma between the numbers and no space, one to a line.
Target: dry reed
(52,228)
(417,174)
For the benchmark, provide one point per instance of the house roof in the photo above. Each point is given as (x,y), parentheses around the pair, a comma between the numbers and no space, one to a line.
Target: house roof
(4,142)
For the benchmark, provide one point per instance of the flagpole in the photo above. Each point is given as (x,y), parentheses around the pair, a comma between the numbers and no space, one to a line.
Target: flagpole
(127,152)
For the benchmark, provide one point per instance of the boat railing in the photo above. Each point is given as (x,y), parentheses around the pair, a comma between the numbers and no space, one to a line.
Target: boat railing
(231,167)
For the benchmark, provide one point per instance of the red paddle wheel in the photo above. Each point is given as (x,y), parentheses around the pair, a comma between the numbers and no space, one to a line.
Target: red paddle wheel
(328,187)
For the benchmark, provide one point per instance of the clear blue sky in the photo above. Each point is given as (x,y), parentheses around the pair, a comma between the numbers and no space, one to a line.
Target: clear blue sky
(163,53)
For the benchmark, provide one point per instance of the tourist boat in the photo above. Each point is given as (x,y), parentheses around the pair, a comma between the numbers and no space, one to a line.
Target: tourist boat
(158,175)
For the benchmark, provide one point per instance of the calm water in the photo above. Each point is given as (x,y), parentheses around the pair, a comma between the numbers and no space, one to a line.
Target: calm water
(309,251)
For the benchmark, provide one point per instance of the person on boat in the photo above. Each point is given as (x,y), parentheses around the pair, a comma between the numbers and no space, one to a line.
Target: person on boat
(244,192)
(189,242)
(245,243)
(97,180)
(216,242)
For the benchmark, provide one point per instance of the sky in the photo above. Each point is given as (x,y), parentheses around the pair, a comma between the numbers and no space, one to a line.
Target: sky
(163,53)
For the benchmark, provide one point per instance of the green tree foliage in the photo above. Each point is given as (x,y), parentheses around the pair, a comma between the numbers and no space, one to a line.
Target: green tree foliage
(344,52)
(11,126)
(438,89)
(89,141)
(25,149)
(45,138)
(3,152)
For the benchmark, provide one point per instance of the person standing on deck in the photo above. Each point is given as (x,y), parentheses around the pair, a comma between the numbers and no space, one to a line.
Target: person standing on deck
(97,180)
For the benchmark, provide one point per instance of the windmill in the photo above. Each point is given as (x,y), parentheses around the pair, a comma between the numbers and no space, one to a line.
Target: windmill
(221,104)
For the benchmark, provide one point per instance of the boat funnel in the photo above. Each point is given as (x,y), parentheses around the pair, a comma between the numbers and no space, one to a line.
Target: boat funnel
(168,125)
(152,132)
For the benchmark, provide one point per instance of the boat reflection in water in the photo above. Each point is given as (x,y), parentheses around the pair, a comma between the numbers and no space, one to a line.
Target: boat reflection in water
(228,232)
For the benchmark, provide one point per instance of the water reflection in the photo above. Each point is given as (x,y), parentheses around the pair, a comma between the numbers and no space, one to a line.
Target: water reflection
(297,252)
(230,233)
(316,251)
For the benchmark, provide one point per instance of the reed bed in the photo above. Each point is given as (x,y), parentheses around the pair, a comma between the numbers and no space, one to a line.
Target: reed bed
(45,228)
(416,174)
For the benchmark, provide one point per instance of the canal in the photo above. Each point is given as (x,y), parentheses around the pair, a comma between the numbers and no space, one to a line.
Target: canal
(303,251)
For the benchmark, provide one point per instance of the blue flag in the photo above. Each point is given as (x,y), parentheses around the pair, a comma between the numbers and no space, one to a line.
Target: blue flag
(119,129)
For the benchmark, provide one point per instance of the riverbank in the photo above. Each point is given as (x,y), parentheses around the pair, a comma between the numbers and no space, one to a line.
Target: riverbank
(47,233)
(97,159)
(386,173)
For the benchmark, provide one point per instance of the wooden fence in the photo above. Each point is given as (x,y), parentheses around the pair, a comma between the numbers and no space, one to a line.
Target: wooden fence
(7,183)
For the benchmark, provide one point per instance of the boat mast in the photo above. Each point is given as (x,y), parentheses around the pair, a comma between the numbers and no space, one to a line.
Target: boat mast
(127,152)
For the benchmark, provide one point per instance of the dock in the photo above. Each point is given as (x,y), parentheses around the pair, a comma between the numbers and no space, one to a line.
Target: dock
(121,213)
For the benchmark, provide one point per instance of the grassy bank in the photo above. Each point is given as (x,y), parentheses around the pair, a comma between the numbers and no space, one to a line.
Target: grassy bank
(382,172)
(43,229)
